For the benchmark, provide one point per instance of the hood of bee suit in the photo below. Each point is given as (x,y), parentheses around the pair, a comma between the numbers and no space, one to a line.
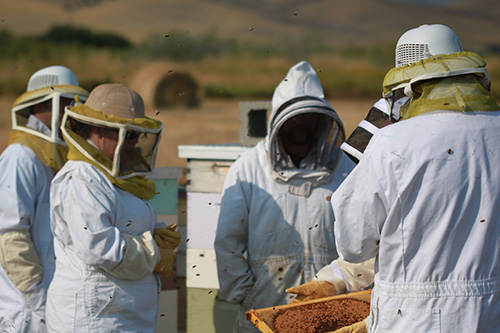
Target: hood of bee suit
(301,92)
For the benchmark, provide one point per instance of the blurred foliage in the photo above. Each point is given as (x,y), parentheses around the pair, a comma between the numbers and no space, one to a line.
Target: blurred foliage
(228,67)
(68,35)
(183,46)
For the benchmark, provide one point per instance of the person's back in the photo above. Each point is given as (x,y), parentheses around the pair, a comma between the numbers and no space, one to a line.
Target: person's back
(440,239)
(431,213)
(20,165)
(27,165)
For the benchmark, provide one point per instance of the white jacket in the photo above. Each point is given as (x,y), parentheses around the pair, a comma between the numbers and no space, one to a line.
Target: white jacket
(89,218)
(275,227)
(425,198)
(286,238)
(24,205)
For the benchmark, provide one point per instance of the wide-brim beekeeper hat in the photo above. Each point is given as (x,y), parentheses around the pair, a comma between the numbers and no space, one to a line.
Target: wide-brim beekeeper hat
(114,107)
(47,84)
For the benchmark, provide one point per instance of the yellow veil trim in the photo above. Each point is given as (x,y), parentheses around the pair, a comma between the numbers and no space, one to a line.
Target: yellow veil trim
(463,93)
(42,92)
(51,154)
(146,123)
(137,185)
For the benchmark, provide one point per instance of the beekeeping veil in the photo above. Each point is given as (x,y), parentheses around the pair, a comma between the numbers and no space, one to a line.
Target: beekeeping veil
(117,108)
(433,73)
(48,84)
(301,93)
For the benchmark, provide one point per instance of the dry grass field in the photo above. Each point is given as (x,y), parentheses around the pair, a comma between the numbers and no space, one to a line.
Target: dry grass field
(214,122)
(341,22)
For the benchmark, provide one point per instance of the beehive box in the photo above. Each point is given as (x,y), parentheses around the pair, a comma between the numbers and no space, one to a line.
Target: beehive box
(321,315)
(207,166)
(165,204)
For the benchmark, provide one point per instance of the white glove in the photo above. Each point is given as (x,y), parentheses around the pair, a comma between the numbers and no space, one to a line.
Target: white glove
(356,276)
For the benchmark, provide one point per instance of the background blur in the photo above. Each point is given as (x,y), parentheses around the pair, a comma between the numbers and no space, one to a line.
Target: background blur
(194,60)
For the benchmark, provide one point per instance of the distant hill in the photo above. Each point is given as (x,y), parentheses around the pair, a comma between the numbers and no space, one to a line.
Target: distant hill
(340,22)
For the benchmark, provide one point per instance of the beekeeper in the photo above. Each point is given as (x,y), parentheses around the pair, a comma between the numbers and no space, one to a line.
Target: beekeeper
(108,243)
(35,152)
(430,215)
(275,226)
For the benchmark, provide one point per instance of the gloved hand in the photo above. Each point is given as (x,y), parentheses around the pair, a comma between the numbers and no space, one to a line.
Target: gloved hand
(167,238)
(359,327)
(166,263)
(312,290)
(324,284)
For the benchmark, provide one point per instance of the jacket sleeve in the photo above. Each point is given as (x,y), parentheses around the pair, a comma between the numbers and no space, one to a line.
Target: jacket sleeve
(18,255)
(20,260)
(235,277)
(355,276)
(362,203)
(347,277)
(83,220)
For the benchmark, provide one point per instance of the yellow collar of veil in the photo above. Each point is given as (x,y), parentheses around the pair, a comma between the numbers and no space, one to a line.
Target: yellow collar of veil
(138,185)
(49,153)
(454,82)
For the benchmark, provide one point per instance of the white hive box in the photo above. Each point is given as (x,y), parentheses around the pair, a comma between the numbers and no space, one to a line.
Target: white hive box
(207,167)
(165,203)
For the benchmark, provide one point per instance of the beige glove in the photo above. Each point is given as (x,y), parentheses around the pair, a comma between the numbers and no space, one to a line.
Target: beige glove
(140,258)
(166,263)
(312,290)
(168,237)
(19,259)
(324,284)
(359,327)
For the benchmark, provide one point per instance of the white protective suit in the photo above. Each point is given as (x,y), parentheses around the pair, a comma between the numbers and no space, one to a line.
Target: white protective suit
(428,204)
(24,198)
(89,244)
(275,227)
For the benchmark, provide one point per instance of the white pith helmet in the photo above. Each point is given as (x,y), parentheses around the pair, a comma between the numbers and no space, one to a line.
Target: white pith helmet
(52,76)
(424,42)
(47,84)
